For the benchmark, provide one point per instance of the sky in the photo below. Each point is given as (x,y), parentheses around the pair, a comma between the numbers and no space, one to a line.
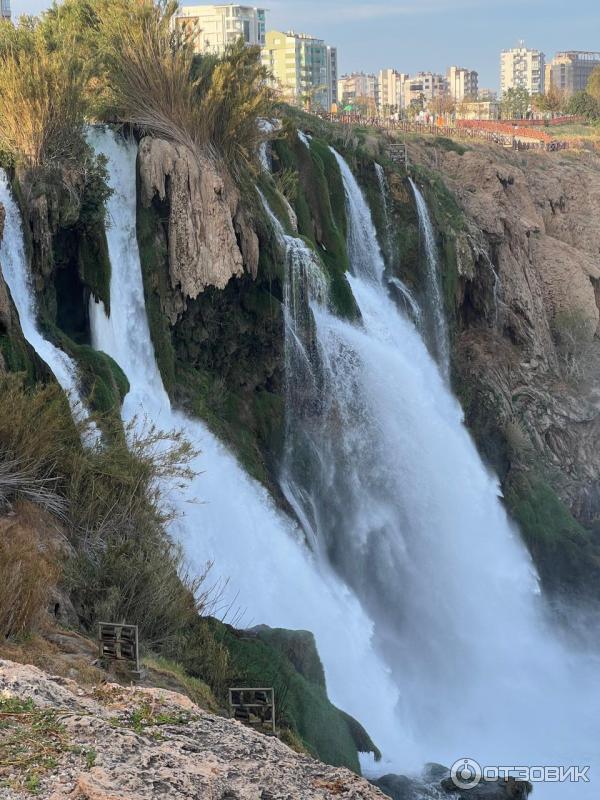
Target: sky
(413,35)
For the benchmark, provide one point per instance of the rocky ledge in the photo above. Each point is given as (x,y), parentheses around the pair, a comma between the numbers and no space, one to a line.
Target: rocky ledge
(63,742)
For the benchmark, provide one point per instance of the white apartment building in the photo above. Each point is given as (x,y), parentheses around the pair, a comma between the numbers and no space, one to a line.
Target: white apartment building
(390,83)
(463,84)
(522,68)
(5,9)
(423,86)
(304,68)
(215,27)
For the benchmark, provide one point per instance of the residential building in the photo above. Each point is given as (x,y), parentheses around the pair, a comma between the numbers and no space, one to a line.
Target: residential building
(478,109)
(5,9)
(332,76)
(358,87)
(214,27)
(487,94)
(522,68)
(303,67)
(570,71)
(463,84)
(423,86)
(390,83)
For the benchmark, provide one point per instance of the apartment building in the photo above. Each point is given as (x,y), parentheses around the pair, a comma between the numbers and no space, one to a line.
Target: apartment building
(4,9)
(390,83)
(570,71)
(303,67)
(214,27)
(358,86)
(463,84)
(423,86)
(522,68)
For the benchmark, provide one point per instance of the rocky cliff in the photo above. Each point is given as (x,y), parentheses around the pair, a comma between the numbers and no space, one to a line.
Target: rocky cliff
(526,348)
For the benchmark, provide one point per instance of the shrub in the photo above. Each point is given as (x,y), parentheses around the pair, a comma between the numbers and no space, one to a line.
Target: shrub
(26,577)
(41,99)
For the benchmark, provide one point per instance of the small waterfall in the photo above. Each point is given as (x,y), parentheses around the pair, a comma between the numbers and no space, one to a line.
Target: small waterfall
(225,516)
(400,505)
(15,268)
(441,345)
(399,290)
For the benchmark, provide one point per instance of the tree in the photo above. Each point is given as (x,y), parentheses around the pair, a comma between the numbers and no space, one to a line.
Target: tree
(515,103)
(593,87)
(553,101)
(583,104)
(441,104)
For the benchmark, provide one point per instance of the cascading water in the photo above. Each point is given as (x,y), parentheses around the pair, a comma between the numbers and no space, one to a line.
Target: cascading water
(439,327)
(401,506)
(399,290)
(258,550)
(15,268)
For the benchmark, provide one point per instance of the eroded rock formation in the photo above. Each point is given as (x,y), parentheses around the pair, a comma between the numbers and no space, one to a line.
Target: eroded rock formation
(210,238)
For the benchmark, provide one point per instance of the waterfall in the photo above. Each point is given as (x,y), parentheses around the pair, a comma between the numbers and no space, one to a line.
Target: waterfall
(398,288)
(441,346)
(400,505)
(15,269)
(225,516)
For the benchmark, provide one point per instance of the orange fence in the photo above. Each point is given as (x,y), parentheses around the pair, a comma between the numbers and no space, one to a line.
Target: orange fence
(502,133)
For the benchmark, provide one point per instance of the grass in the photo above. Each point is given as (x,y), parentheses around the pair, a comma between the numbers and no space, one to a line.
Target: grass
(172,675)
(33,740)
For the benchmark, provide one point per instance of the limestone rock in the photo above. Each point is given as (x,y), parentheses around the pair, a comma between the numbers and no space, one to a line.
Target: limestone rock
(210,237)
(179,753)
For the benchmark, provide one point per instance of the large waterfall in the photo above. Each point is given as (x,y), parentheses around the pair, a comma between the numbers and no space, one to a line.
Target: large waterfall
(15,268)
(227,517)
(422,598)
(399,503)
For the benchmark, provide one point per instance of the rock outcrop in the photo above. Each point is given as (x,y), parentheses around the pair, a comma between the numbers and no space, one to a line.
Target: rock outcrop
(120,743)
(210,238)
(527,355)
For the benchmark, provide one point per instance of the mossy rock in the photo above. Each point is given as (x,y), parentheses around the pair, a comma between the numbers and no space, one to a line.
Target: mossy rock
(288,661)
(154,259)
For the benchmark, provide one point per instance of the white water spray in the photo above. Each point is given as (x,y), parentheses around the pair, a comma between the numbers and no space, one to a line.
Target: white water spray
(404,510)
(261,552)
(15,268)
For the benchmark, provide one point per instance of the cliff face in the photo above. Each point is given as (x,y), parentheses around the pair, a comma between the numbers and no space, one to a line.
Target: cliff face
(527,354)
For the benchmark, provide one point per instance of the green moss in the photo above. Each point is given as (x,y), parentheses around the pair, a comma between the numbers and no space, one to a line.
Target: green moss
(17,356)
(565,553)
(155,273)
(320,208)
(94,263)
(105,385)
(262,658)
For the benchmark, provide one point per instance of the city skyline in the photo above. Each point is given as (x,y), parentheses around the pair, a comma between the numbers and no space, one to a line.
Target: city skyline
(428,35)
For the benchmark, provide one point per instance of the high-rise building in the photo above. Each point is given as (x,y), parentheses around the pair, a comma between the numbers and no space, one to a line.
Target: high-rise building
(570,71)
(423,86)
(522,68)
(303,67)
(390,84)
(463,84)
(358,87)
(5,9)
(332,76)
(214,27)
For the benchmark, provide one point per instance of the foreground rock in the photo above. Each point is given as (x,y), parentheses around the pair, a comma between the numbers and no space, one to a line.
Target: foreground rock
(435,783)
(120,743)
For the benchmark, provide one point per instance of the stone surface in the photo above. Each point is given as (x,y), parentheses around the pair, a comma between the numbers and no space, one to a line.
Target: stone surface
(188,754)
(210,237)
(533,220)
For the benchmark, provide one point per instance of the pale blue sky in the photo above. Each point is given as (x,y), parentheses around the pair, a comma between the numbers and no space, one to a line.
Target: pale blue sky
(413,35)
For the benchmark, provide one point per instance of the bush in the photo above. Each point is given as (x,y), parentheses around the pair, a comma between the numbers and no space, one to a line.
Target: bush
(26,577)
(41,99)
